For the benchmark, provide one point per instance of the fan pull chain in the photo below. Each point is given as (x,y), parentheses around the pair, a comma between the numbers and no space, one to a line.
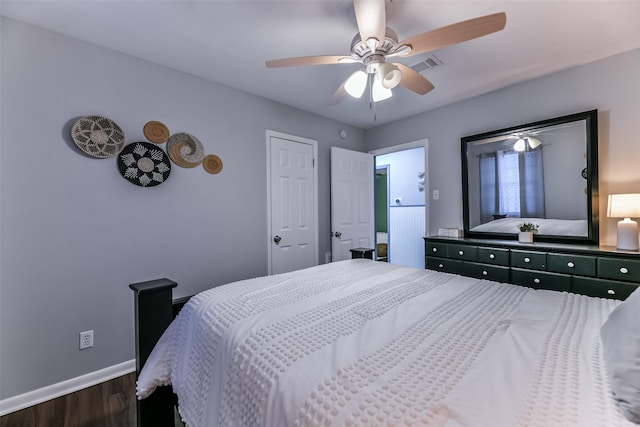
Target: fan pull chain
(372,104)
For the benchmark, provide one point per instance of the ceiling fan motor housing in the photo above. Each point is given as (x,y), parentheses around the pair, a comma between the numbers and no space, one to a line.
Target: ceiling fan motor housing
(361,51)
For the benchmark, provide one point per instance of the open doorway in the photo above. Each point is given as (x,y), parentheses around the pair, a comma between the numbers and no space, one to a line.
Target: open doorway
(381,186)
(400,189)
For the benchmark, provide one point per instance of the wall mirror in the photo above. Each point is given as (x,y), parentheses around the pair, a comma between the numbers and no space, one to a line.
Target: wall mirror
(544,172)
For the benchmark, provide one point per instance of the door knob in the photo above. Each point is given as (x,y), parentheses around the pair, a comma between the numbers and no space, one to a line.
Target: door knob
(337,234)
(277,239)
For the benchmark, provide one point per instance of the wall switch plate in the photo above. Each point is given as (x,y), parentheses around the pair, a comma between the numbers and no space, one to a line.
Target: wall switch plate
(436,194)
(86,339)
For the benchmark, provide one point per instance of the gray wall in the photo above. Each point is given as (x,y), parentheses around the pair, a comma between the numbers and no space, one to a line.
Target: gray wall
(75,233)
(611,85)
(564,158)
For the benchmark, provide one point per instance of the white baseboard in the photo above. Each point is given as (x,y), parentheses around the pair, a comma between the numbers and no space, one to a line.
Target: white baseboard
(52,391)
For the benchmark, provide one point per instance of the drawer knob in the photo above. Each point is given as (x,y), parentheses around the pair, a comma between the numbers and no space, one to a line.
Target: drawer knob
(492,256)
(460,252)
(611,292)
(624,270)
(434,249)
(440,265)
(536,281)
(484,272)
(570,264)
(527,259)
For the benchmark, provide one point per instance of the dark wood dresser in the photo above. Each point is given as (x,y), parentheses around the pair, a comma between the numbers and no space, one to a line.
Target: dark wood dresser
(599,271)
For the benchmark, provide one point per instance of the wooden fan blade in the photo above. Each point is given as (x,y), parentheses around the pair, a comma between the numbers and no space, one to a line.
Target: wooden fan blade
(413,80)
(371,19)
(455,33)
(505,139)
(308,60)
(339,95)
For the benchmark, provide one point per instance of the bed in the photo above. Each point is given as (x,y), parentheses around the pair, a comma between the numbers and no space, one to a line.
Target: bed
(365,343)
(556,227)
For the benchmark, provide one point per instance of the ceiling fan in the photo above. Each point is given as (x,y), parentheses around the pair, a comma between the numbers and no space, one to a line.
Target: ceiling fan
(525,140)
(375,43)
(519,141)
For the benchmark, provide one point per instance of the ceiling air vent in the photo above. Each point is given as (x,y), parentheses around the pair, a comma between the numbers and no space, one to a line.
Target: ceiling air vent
(431,62)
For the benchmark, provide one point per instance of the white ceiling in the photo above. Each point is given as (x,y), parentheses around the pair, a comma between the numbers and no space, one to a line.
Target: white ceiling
(228,42)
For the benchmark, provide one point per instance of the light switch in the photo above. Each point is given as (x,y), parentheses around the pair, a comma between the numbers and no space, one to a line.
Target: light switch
(436,194)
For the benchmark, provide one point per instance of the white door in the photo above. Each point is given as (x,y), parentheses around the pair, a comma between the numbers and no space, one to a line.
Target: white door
(293,209)
(352,202)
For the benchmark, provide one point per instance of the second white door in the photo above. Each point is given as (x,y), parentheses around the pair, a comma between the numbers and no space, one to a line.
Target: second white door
(352,202)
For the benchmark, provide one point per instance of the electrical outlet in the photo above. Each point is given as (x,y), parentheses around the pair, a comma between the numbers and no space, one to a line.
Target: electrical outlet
(86,339)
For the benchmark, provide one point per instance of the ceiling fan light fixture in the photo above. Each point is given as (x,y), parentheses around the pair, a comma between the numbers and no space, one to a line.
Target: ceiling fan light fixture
(356,84)
(389,74)
(533,142)
(378,91)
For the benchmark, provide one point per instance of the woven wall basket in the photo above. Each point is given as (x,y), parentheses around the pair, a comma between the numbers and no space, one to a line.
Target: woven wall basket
(144,164)
(98,136)
(185,150)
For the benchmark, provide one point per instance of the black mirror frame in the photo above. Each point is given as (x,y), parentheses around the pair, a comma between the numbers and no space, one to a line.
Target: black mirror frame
(591,119)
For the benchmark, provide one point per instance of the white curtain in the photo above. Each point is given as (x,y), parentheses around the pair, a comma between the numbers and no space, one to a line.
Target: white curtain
(509,183)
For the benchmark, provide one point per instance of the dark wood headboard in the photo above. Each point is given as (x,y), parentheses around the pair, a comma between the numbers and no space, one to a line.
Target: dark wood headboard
(154,311)
(155,308)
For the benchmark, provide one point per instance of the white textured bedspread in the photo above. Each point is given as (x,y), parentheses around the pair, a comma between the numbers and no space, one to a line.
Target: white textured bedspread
(364,343)
(563,227)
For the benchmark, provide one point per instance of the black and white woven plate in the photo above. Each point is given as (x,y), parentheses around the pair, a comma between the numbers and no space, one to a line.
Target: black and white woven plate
(98,136)
(144,164)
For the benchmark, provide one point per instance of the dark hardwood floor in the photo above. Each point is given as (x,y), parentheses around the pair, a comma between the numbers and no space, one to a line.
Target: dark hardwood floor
(110,404)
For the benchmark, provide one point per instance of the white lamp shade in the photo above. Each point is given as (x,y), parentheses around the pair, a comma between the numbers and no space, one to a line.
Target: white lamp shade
(390,75)
(379,92)
(624,206)
(356,83)
(533,142)
(519,145)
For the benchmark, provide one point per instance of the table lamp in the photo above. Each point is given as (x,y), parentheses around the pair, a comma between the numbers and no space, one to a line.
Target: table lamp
(625,206)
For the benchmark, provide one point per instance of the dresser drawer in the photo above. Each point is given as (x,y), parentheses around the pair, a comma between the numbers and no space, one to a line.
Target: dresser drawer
(580,265)
(436,249)
(619,269)
(541,280)
(484,271)
(463,252)
(444,264)
(528,259)
(493,256)
(601,288)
